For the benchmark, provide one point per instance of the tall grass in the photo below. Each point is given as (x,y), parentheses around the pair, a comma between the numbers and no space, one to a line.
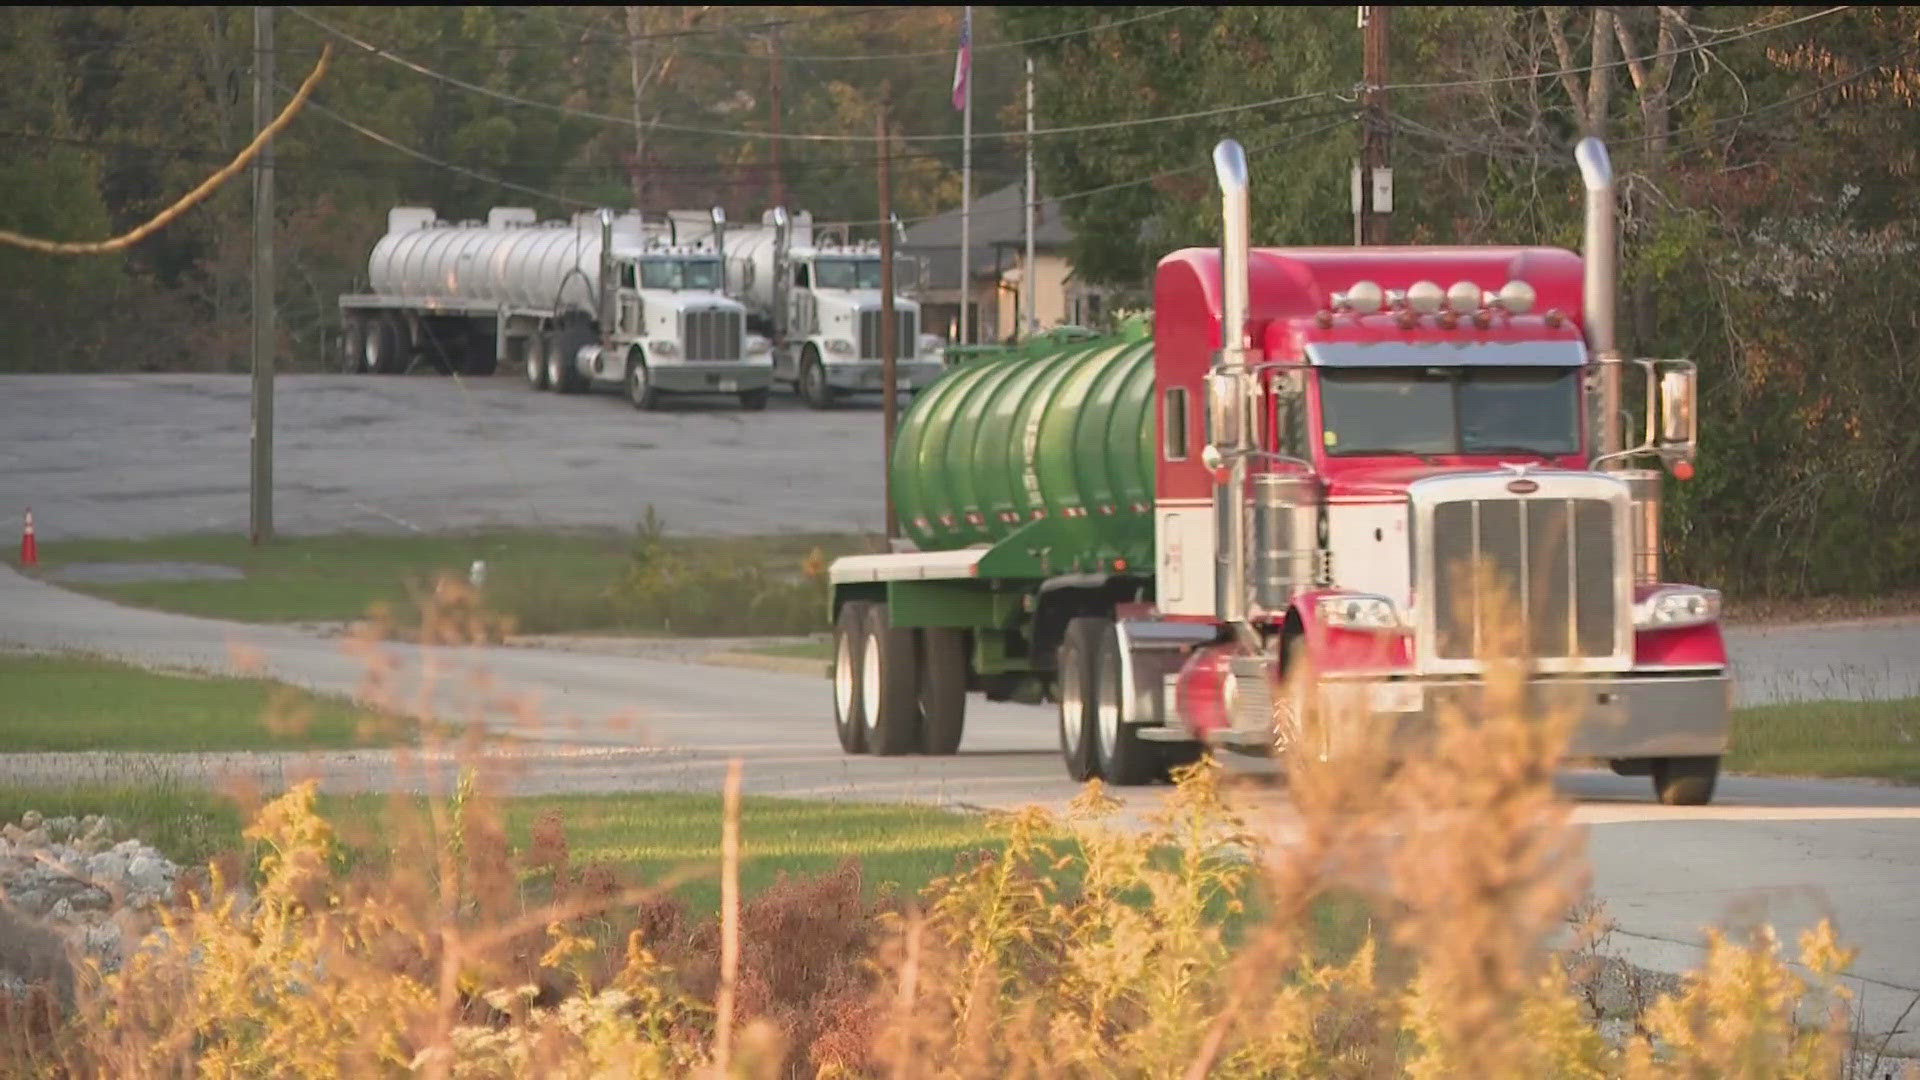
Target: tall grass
(1104,955)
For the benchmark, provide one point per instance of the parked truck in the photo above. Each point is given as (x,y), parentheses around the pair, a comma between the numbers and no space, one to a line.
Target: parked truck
(596,301)
(1202,534)
(819,300)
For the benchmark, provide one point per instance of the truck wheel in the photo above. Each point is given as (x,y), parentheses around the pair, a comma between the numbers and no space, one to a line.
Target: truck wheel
(640,391)
(353,345)
(1079,683)
(563,368)
(890,686)
(813,384)
(753,400)
(536,353)
(943,689)
(849,710)
(1124,758)
(1685,781)
(383,355)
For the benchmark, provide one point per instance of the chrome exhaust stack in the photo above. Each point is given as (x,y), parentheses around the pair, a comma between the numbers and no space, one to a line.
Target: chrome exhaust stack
(1601,287)
(1229,387)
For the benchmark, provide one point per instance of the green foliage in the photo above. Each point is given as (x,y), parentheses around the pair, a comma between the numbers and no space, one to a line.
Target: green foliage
(682,588)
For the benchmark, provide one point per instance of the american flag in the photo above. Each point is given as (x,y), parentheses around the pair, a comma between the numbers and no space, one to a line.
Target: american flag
(963,62)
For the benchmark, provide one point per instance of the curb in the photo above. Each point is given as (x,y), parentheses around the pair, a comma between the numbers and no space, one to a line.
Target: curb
(785,665)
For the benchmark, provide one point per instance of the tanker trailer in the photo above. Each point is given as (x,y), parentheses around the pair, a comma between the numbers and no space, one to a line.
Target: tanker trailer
(594,302)
(819,301)
(1258,540)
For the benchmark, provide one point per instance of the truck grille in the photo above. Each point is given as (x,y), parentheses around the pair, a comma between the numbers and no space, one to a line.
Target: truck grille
(905,334)
(1554,557)
(711,335)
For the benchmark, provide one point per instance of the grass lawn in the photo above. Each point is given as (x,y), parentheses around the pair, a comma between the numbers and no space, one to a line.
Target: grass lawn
(1829,738)
(70,702)
(546,581)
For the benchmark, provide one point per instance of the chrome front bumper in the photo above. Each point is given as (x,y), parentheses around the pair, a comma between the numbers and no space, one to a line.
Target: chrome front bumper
(870,375)
(711,376)
(1621,716)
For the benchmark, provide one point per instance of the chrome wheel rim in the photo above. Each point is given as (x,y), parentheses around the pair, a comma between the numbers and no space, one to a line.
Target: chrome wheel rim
(536,363)
(636,382)
(870,682)
(843,678)
(1106,708)
(556,369)
(1072,706)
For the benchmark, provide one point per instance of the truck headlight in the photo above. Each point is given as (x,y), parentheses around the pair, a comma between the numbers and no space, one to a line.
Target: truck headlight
(931,344)
(663,348)
(840,346)
(1675,606)
(1359,612)
(757,345)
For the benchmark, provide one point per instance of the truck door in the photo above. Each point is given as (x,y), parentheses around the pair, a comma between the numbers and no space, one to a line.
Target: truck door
(800,317)
(627,298)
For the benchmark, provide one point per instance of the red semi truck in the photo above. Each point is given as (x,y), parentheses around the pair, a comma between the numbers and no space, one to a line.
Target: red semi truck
(1189,539)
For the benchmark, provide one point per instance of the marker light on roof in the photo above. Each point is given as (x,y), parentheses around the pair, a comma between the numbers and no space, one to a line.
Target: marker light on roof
(1425,297)
(1464,298)
(1365,298)
(1516,297)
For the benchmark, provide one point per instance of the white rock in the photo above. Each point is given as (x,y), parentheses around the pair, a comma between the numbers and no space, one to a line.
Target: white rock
(31,820)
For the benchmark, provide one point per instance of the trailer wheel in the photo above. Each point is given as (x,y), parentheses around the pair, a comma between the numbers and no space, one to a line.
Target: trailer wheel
(353,345)
(813,385)
(849,704)
(943,689)
(1685,781)
(640,391)
(1078,672)
(890,686)
(536,352)
(384,352)
(1125,759)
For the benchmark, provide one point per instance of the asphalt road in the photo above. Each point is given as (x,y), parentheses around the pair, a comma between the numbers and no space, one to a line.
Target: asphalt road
(146,455)
(1785,851)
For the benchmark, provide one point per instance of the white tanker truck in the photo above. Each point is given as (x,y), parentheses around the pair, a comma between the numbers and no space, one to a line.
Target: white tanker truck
(819,302)
(601,300)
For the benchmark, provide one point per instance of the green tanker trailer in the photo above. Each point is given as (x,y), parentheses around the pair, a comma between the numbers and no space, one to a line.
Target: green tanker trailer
(1203,531)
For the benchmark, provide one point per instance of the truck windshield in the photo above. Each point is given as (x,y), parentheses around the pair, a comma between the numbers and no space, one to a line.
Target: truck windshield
(680,274)
(1450,410)
(846,273)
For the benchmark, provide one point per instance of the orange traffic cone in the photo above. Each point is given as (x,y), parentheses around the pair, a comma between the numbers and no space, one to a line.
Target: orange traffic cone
(29,549)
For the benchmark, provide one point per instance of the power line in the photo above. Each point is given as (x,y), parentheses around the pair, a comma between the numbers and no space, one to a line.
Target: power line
(846,58)
(1682,51)
(737,28)
(563,110)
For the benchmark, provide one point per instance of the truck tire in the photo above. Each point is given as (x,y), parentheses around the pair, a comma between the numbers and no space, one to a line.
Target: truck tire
(943,689)
(849,704)
(536,354)
(384,352)
(353,345)
(639,383)
(890,686)
(753,400)
(813,386)
(1079,684)
(1685,781)
(563,368)
(1123,757)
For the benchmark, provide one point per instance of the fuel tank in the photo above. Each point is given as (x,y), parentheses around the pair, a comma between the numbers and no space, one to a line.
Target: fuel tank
(1060,431)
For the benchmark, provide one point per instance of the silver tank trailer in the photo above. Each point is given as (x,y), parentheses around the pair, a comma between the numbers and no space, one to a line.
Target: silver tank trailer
(544,267)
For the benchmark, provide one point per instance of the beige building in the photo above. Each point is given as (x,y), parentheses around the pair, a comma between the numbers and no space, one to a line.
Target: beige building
(998,271)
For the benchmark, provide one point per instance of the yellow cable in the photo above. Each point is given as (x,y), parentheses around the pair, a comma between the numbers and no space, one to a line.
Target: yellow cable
(188,201)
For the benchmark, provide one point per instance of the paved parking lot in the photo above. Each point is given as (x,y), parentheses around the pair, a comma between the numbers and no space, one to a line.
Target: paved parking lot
(144,455)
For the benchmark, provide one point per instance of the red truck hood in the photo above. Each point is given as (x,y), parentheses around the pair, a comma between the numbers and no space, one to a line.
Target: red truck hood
(1382,478)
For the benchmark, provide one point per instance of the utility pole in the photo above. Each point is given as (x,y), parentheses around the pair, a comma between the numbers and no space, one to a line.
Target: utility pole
(1027,276)
(779,175)
(966,188)
(889,387)
(263,293)
(1373,180)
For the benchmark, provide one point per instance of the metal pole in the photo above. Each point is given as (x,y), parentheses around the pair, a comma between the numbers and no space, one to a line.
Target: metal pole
(779,169)
(966,200)
(261,485)
(1027,276)
(889,387)
(1374,148)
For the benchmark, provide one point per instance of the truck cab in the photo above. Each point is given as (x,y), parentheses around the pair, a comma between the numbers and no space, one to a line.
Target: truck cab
(833,341)
(676,331)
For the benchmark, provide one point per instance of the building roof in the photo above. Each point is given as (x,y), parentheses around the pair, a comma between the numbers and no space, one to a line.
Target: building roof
(996,223)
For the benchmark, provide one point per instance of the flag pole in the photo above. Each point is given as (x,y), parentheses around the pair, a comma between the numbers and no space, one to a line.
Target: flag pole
(966,182)
(1033,202)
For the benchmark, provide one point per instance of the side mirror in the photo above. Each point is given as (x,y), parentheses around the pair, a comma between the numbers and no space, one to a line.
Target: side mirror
(1679,424)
